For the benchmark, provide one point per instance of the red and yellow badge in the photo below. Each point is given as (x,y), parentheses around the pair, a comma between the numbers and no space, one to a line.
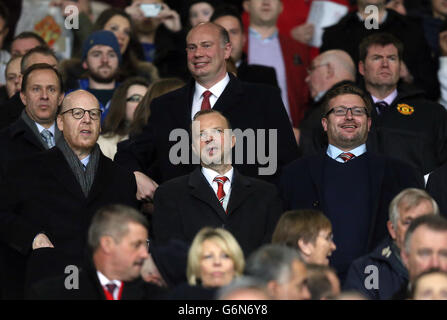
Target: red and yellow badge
(405,109)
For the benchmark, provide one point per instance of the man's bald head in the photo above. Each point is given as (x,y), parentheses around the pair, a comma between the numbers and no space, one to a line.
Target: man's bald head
(329,68)
(72,100)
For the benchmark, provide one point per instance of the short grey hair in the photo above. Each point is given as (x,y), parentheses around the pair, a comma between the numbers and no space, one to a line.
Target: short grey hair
(241,283)
(435,223)
(272,262)
(408,199)
(113,220)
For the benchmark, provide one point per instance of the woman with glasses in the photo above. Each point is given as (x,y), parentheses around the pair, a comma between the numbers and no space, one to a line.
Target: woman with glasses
(308,231)
(121,113)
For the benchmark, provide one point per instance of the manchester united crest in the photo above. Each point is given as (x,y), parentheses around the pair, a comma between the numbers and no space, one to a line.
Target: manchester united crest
(405,109)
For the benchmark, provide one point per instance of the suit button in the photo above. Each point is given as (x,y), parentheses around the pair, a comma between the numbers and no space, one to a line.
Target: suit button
(316,203)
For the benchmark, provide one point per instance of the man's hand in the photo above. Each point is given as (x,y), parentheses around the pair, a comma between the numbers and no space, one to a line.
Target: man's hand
(41,241)
(134,11)
(145,186)
(443,43)
(170,18)
(303,33)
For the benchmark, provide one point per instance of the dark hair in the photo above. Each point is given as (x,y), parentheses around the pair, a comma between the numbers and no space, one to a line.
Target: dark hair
(115,121)
(30,34)
(44,50)
(190,3)
(431,221)
(4,13)
(227,10)
(40,66)
(381,39)
(143,111)
(346,88)
(134,51)
(299,224)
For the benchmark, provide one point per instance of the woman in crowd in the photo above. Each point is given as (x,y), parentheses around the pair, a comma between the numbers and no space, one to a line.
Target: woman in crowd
(121,113)
(214,260)
(156,89)
(430,285)
(309,231)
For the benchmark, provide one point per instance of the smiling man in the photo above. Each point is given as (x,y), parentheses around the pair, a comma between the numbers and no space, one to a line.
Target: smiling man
(48,199)
(215,194)
(321,181)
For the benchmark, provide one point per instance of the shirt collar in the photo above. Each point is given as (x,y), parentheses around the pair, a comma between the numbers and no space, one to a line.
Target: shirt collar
(216,90)
(389,100)
(85,160)
(41,128)
(104,280)
(257,35)
(334,152)
(210,174)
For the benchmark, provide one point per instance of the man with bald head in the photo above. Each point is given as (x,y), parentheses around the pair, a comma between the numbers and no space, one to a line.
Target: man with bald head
(327,70)
(48,199)
(245,105)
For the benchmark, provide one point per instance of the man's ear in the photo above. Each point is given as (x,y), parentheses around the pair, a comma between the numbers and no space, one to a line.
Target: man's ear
(22,97)
(330,71)
(404,256)
(361,68)
(84,65)
(324,123)
(391,230)
(107,243)
(273,288)
(306,248)
(60,123)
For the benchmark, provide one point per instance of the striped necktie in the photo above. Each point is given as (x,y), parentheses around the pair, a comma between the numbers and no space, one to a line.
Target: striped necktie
(220,191)
(47,137)
(346,156)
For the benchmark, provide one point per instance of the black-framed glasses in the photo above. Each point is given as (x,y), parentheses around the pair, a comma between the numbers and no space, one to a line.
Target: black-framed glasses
(342,111)
(78,113)
(135,98)
(312,68)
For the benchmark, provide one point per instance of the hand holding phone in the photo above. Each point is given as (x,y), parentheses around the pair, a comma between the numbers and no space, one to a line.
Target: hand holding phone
(150,10)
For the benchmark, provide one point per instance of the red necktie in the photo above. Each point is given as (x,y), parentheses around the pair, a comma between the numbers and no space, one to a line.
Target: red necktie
(346,156)
(206,105)
(220,191)
(111,289)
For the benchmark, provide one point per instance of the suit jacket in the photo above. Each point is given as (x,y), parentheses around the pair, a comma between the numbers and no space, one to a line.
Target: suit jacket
(245,105)
(186,204)
(41,194)
(437,186)
(10,110)
(90,288)
(302,187)
(17,141)
(256,73)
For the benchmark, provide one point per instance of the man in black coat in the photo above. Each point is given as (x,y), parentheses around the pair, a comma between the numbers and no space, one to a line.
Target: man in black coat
(381,273)
(117,237)
(47,200)
(216,194)
(347,34)
(247,106)
(351,186)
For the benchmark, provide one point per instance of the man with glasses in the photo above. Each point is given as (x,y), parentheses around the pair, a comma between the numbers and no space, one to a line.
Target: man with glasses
(48,200)
(351,186)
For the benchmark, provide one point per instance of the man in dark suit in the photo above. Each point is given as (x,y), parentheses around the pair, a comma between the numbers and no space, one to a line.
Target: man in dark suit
(11,109)
(36,129)
(216,195)
(228,17)
(351,186)
(47,200)
(117,237)
(247,106)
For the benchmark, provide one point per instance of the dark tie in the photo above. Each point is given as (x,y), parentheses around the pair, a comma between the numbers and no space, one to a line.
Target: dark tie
(206,105)
(346,156)
(220,191)
(381,107)
(47,137)
(111,288)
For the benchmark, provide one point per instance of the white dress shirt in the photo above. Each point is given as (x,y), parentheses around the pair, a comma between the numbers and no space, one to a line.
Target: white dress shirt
(334,153)
(104,280)
(216,91)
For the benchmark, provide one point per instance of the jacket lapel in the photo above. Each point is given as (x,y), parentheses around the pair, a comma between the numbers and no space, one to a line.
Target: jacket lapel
(21,127)
(61,171)
(201,190)
(229,96)
(101,178)
(240,191)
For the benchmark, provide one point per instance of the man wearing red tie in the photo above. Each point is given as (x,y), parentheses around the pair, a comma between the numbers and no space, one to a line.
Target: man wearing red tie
(352,186)
(118,239)
(215,194)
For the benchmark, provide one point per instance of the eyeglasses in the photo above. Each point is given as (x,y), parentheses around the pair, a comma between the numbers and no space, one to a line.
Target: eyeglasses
(342,111)
(134,98)
(78,113)
(312,68)
(329,237)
